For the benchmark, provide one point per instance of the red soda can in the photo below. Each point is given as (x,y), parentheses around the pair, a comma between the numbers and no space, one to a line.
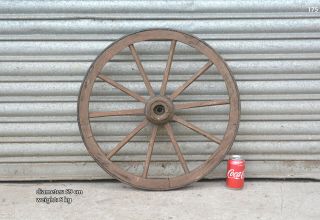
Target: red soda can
(235,172)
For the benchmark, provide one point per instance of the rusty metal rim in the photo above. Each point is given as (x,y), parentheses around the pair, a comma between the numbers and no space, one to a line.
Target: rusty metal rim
(100,156)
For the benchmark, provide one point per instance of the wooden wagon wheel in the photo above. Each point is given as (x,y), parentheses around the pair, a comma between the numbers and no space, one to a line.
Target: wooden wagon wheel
(159,110)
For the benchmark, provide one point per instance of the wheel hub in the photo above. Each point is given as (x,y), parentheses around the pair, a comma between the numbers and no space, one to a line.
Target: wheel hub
(159,110)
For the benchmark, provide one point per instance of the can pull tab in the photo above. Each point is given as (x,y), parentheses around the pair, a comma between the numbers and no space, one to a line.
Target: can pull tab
(235,157)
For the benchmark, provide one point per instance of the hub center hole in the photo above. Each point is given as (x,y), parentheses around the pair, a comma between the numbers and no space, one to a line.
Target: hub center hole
(159,109)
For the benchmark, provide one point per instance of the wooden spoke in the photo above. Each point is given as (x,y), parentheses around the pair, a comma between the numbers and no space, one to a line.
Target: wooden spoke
(176,147)
(149,153)
(168,68)
(141,69)
(196,129)
(127,138)
(121,87)
(202,70)
(201,104)
(139,111)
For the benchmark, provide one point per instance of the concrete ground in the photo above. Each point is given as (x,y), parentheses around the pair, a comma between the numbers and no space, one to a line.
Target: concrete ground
(203,200)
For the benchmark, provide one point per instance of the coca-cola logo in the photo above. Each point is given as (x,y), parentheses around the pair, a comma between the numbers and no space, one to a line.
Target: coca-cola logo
(235,175)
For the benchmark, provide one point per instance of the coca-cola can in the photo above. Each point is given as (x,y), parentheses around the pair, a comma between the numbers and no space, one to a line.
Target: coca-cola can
(235,172)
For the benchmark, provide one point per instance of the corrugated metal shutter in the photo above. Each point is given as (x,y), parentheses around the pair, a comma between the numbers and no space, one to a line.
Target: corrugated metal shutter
(272,47)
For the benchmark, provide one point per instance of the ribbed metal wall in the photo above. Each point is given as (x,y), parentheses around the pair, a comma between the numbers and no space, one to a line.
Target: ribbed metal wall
(46,47)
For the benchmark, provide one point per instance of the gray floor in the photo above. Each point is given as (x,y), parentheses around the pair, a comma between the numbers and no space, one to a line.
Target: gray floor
(202,200)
